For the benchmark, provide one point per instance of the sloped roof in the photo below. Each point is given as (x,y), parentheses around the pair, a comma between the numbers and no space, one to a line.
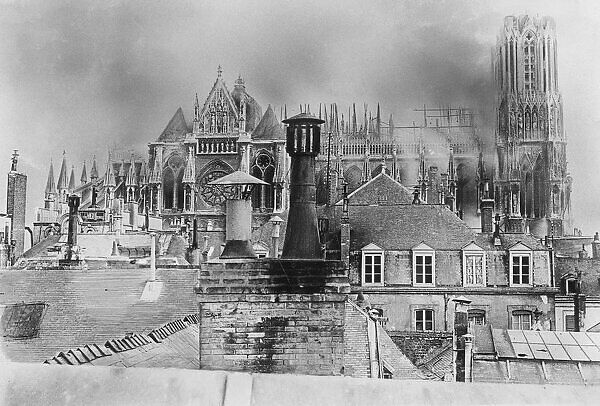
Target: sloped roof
(439,361)
(253,109)
(381,190)
(176,129)
(175,345)
(567,357)
(269,127)
(359,325)
(92,306)
(402,227)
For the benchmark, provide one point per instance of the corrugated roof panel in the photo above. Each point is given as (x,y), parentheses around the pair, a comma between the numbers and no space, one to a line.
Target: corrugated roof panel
(540,351)
(582,338)
(522,350)
(516,336)
(78,356)
(533,337)
(549,337)
(592,352)
(87,353)
(565,338)
(558,352)
(576,353)
(94,349)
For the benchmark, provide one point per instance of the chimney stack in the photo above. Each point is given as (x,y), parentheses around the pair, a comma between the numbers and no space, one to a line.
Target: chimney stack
(74,201)
(487,207)
(596,246)
(238,186)
(303,142)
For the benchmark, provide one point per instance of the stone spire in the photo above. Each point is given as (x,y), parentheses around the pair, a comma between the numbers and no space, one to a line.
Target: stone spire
(63,177)
(131,179)
(50,184)
(143,178)
(378,122)
(72,179)
(94,171)
(83,178)
(391,125)
(110,175)
(122,170)
(354,118)
(156,175)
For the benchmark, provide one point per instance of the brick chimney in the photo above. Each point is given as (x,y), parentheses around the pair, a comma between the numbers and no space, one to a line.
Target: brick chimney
(303,143)
(487,207)
(345,230)
(279,315)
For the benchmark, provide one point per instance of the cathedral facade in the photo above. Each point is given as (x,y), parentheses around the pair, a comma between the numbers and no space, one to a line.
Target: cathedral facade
(532,186)
(440,160)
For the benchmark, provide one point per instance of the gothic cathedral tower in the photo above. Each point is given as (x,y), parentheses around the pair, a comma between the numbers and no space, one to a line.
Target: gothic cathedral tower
(533,186)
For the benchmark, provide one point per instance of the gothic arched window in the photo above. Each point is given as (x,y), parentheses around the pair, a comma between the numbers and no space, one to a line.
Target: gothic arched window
(529,61)
(168,188)
(264,169)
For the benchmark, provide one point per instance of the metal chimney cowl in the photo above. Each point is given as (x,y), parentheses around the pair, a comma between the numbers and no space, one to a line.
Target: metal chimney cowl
(303,143)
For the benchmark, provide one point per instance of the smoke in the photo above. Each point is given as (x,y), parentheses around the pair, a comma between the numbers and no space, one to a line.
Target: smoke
(82,76)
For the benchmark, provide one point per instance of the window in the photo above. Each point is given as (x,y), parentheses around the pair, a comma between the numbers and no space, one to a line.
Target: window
(529,62)
(521,320)
(424,320)
(474,271)
(372,268)
(520,269)
(569,322)
(476,317)
(423,265)
(372,265)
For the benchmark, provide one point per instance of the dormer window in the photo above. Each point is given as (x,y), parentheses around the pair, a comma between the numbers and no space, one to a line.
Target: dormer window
(372,265)
(474,270)
(521,265)
(423,265)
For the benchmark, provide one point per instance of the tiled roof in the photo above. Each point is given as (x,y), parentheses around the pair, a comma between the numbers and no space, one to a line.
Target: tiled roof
(176,129)
(173,345)
(486,241)
(359,328)
(439,361)
(381,190)
(91,306)
(401,227)
(269,127)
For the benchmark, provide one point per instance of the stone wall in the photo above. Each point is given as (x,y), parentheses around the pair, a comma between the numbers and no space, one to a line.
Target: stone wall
(273,316)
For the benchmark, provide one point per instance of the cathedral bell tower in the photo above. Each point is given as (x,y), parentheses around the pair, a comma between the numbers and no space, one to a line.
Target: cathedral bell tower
(533,183)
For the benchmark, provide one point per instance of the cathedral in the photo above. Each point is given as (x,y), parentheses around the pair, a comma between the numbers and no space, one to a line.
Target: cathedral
(532,185)
(440,160)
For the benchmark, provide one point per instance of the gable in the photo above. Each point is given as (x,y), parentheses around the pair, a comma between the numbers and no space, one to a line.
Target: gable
(218,96)
(177,128)
(371,247)
(422,247)
(472,247)
(519,246)
(382,190)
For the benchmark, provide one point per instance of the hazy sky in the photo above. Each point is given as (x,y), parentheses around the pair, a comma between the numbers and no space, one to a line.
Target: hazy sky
(81,75)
